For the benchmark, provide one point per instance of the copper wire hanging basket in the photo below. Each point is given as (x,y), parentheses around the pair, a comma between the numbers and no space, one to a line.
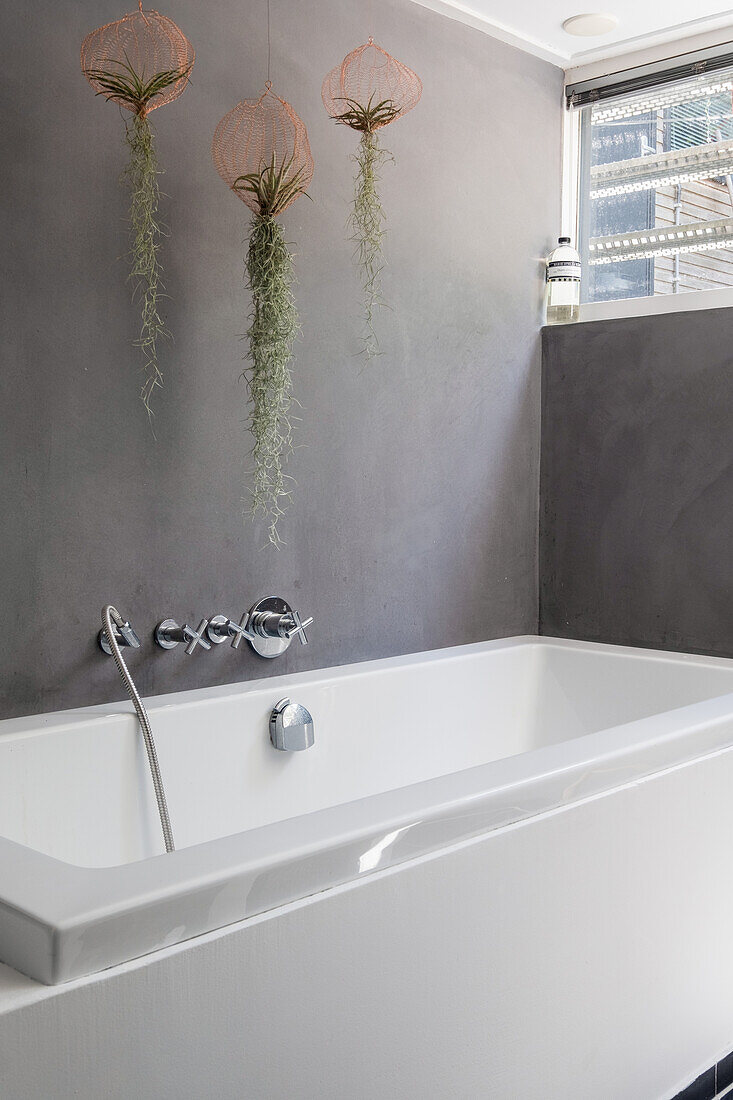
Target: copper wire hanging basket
(369,75)
(260,135)
(148,44)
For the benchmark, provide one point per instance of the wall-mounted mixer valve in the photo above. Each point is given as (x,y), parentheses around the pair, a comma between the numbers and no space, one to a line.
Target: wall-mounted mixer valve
(169,634)
(220,629)
(273,624)
(269,627)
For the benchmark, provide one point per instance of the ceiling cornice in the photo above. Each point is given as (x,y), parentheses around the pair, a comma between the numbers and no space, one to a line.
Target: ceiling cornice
(506,34)
(705,29)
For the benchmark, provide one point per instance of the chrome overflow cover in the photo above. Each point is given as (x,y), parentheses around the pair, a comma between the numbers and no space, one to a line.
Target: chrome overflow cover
(291,727)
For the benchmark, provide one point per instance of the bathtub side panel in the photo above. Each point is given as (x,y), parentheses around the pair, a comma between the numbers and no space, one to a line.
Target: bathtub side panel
(584,953)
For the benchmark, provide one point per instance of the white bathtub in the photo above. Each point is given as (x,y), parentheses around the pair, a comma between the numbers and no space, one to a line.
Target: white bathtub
(412,754)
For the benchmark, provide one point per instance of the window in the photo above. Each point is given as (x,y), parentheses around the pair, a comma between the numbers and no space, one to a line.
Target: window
(656,188)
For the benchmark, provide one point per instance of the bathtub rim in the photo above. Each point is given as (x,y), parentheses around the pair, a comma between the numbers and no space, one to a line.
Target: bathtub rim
(40,724)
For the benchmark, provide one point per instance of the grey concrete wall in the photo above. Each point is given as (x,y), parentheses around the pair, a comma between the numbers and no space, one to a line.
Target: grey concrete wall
(637,481)
(415,516)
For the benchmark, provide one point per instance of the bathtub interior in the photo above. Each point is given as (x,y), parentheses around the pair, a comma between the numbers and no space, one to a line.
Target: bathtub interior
(80,790)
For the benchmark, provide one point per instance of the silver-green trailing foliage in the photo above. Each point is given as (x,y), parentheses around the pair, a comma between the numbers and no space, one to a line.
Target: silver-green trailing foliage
(273,328)
(367,218)
(146,273)
(122,84)
(271,334)
(367,226)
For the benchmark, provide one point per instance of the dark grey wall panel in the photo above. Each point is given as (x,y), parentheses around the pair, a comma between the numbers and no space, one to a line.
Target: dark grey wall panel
(637,481)
(415,517)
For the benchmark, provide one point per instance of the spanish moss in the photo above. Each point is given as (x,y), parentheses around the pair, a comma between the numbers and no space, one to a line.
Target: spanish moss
(141,176)
(272,332)
(131,90)
(367,226)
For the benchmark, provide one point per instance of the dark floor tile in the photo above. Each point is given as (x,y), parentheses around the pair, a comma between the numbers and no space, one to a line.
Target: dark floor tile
(702,1088)
(725,1072)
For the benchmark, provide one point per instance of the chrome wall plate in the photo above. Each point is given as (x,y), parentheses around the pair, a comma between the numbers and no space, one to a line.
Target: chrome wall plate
(161,634)
(215,632)
(269,627)
(266,646)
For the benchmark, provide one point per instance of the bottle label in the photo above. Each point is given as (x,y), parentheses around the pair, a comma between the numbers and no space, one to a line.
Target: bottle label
(563,269)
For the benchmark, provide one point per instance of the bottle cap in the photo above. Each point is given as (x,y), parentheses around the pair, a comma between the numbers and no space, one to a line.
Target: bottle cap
(563,240)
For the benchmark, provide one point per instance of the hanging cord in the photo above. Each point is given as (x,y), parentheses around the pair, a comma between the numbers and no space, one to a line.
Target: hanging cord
(109,614)
(268,42)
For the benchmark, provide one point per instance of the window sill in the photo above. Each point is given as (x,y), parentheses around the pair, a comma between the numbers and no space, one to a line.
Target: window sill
(664,303)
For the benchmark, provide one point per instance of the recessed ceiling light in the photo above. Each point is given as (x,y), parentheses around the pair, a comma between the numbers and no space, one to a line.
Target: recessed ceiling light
(589,25)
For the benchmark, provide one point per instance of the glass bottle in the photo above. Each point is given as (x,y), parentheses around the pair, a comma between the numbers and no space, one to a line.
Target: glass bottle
(562,296)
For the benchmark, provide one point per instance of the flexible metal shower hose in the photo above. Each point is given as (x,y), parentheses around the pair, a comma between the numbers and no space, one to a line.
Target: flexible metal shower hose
(110,613)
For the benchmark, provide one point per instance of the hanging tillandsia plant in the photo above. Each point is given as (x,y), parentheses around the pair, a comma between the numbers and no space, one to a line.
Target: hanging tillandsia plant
(141,62)
(261,151)
(367,91)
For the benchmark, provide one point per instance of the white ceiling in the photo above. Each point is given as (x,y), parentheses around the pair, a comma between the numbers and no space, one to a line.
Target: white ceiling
(536,25)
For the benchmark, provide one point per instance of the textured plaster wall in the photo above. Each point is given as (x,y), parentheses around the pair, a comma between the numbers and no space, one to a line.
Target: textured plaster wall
(415,516)
(637,481)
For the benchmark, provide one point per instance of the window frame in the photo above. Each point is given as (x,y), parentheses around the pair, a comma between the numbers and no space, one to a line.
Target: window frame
(572,138)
